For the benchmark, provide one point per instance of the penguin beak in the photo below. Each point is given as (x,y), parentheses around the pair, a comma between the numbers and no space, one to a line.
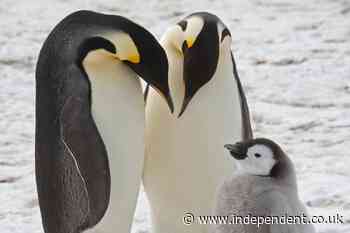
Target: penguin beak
(238,150)
(153,69)
(200,62)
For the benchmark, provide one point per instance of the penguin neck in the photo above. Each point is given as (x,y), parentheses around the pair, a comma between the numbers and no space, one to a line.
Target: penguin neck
(176,83)
(283,172)
(224,70)
(116,95)
(222,79)
(219,92)
(118,110)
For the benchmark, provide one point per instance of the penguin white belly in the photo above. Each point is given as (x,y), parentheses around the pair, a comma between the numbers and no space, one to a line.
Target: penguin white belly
(118,110)
(185,157)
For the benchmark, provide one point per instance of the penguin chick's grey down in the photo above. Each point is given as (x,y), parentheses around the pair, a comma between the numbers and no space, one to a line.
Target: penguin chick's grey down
(263,185)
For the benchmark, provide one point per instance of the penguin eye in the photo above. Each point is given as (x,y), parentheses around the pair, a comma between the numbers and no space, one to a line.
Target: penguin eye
(257,155)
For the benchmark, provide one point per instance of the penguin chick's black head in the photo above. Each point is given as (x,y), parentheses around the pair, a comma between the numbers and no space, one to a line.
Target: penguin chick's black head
(238,150)
(261,157)
(133,45)
(203,33)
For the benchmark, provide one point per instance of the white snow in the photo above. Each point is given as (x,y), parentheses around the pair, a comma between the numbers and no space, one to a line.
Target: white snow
(294,62)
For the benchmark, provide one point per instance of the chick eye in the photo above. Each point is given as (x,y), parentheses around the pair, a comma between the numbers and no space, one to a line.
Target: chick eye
(257,155)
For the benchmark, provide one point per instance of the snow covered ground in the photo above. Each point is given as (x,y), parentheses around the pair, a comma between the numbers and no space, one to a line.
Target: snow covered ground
(293,59)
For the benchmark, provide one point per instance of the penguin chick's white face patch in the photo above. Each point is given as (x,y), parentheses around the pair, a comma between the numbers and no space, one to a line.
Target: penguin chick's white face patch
(259,161)
(125,46)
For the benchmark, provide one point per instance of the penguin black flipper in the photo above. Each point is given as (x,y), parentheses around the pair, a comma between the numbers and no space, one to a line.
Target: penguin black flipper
(73,177)
(247,132)
(81,137)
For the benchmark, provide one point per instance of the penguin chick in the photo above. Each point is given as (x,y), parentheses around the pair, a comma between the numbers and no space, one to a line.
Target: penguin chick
(263,185)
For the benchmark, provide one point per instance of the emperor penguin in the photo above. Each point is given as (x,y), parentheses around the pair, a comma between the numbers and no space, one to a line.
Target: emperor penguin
(263,185)
(185,159)
(90,121)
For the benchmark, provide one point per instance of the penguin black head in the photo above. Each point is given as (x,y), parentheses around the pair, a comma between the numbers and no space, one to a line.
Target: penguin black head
(200,38)
(121,39)
(261,157)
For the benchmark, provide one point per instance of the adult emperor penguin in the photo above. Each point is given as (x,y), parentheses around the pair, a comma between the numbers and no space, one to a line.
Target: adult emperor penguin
(90,121)
(184,151)
(264,185)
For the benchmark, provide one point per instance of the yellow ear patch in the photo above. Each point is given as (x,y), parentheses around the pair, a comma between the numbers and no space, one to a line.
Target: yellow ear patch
(194,27)
(126,48)
(134,58)
(190,42)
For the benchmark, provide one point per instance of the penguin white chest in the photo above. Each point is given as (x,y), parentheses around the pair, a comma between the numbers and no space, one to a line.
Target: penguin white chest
(186,159)
(118,111)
